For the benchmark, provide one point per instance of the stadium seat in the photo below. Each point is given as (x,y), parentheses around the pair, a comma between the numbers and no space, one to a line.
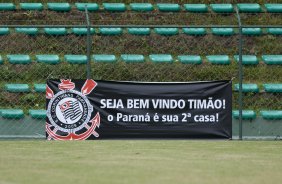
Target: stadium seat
(48,59)
(143,7)
(273,8)
(219,59)
(89,6)
(272,59)
(55,31)
(246,114)
(31,6)
(249,7)
(223,31)
(17,88)
(247,88)
(120,7)
(132,58)
(28,31)
(82,31)
(274,31)
(166,31)
(1,60)
(247,59)
(194,31)
(190,59)
(252,31)
(273,88)
(110,31)
(197,8)
(64,7)
(4,31)
(40,88)
(12,113)
(76,59)
(222,8)
(7,6)
(104,58)
(139,31)
(19,59)
(271,114)
(161,58)
(168,7)
(37,114)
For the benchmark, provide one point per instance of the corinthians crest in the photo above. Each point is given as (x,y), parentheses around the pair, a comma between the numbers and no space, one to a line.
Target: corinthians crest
(69,112)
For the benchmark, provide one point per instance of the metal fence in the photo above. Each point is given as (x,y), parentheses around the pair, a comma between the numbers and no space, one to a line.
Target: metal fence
(175,42)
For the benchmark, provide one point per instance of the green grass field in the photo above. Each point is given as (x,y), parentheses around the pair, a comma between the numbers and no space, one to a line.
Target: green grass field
(140,161)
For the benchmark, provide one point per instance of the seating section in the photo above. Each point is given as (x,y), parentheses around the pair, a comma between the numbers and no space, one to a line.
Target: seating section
(132,58)
(271,115)
(161,58)
(186,59)
(273,88)
(40,88)
(17,88)
(37,114)
(145,7)
(12,113)
(143,31)
(248,88)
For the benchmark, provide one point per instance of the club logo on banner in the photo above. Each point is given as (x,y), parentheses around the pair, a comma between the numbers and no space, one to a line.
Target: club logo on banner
(88,109)
(69,111)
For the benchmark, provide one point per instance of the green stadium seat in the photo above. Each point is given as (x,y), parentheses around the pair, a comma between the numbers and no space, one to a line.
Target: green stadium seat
(273,8)
(166,31)
(59,6)
(89,6)
(273,88)
(1,60)
(110,31)
(4,31)
(12,113)
(197,8)
(55,31)
(274,31)
(48,59)
(7,6)
(252,31)
(76,59)
(190,59)
(19,59)
(247,59)
(247,88)
(28,31)
(194,31)
(222,8)
(31,6)
(143,7)
(223,31)
(161,58)
(82,31)
(37,114)
(139,31)
(219,59)
(17,88)
(168,7)
(249,7)
(120,7)
(246,114)
(272,59)
(132,58)
(40,88)
(104,58)
(271,114)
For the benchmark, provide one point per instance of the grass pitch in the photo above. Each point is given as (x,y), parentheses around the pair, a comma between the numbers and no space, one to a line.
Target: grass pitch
(140,161)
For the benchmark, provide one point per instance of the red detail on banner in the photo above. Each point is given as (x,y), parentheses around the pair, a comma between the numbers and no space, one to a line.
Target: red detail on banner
(49,92)
(66,84)
(88,86)
(95,122)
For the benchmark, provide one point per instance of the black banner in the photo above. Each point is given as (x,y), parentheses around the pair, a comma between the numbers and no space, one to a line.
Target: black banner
(88,109)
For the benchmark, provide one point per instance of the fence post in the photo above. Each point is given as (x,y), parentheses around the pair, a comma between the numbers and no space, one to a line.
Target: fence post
(240,76)
(88,44)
